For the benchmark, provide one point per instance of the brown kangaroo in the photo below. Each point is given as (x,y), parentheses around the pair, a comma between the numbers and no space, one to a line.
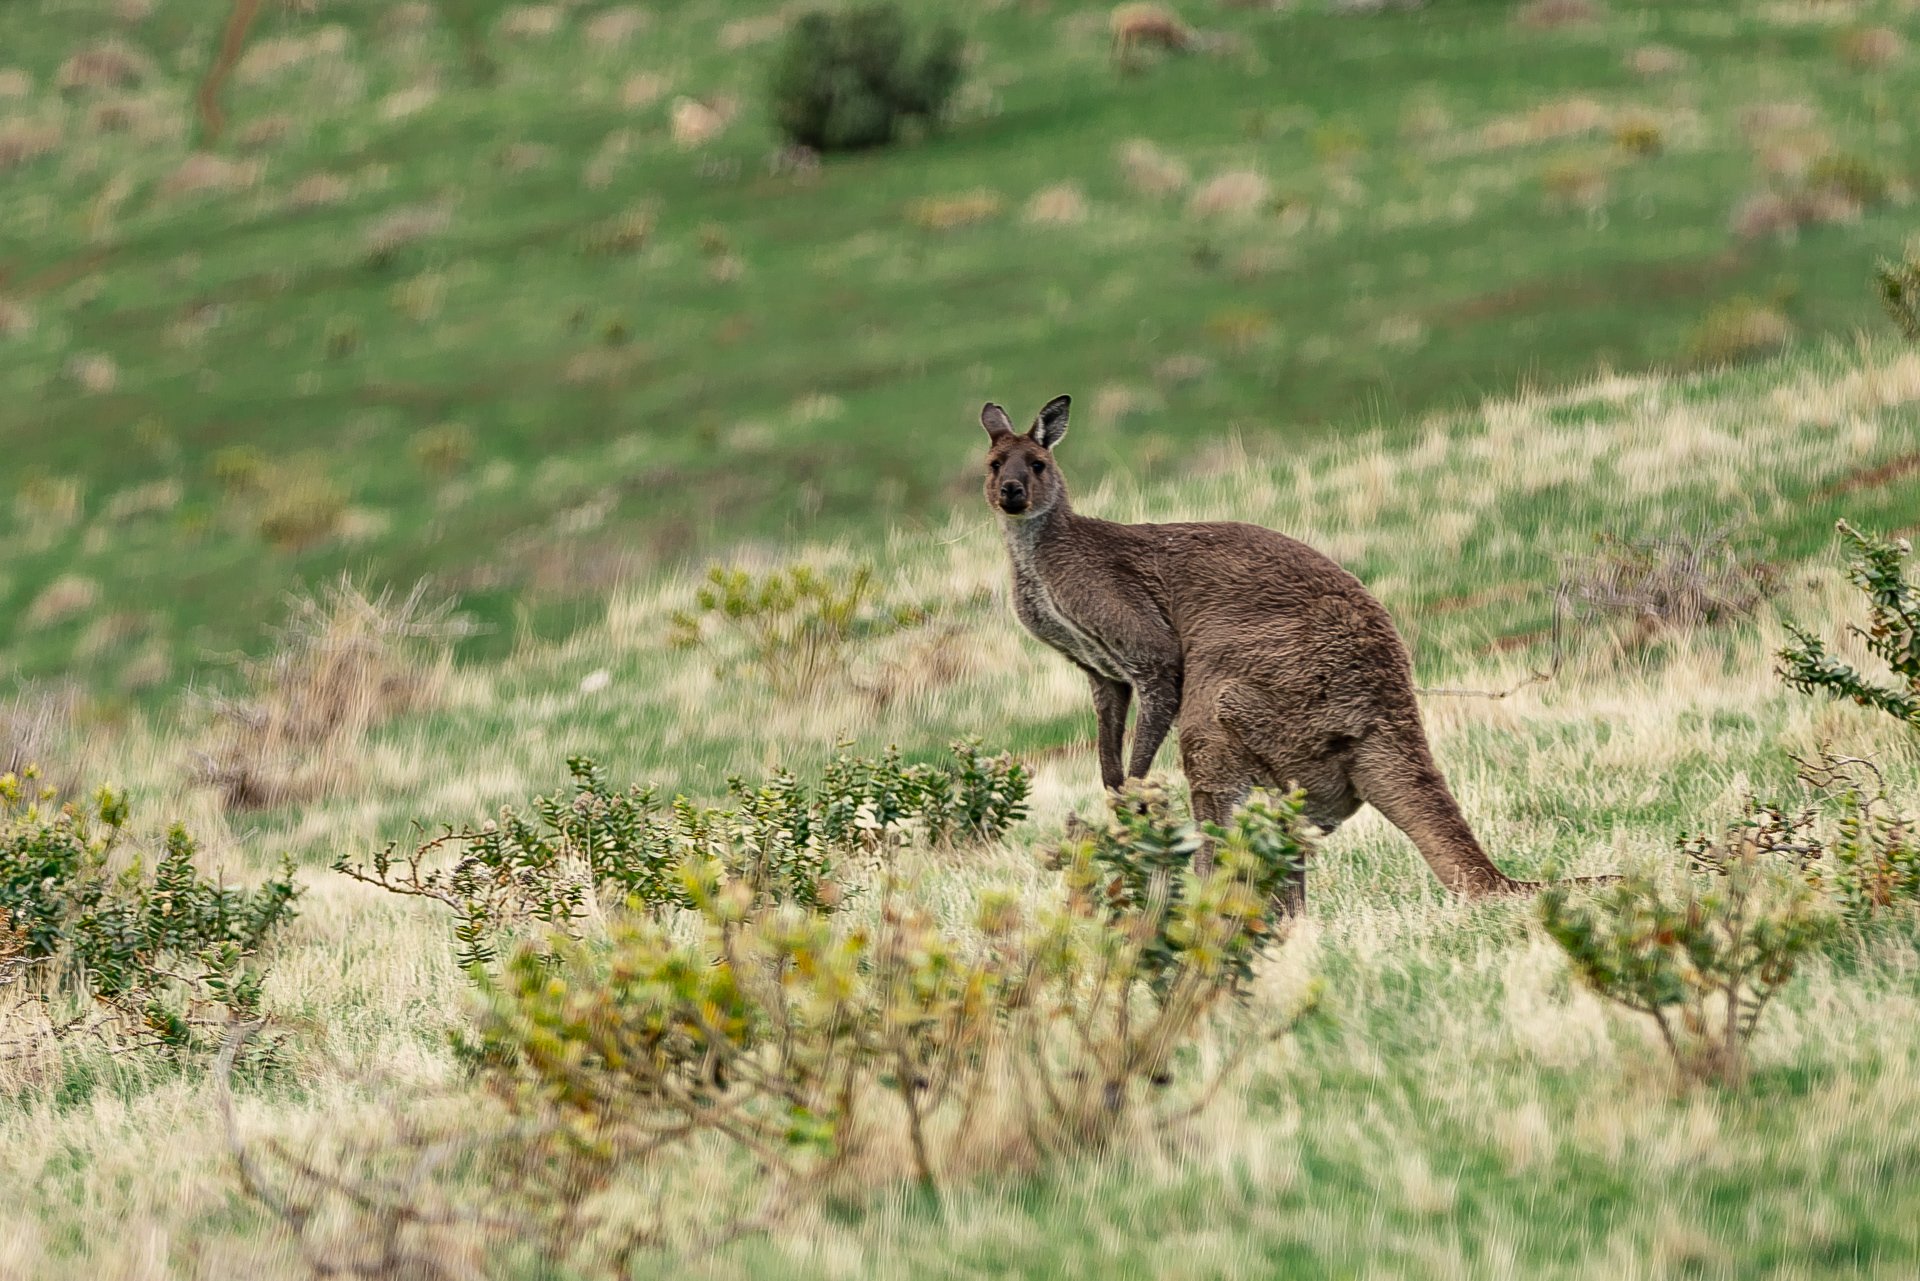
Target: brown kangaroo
(1279,667)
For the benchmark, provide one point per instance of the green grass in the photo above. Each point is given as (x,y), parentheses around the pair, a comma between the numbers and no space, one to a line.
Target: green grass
(632,410)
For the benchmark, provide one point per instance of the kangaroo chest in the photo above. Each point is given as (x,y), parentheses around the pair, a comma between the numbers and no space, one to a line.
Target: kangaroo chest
(1040,612)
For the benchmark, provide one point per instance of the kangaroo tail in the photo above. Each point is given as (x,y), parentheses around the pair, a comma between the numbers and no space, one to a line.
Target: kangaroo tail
(1394,772)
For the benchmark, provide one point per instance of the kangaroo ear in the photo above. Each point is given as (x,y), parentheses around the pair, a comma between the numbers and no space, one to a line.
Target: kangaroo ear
(1051,425)
(995,420)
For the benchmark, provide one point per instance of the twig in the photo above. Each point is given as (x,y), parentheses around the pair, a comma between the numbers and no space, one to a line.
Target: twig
(1533,678)
(232,42)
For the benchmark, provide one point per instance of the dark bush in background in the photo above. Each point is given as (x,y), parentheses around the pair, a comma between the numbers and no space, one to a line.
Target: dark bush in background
(848,80)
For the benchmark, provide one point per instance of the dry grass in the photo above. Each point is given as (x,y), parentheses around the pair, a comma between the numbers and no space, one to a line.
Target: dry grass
(614,28)
(111,64)
(1062,204)
(36,729)
(344,662)
(1575,182)
(1653,61)
(1872,48)
(1151,171)
(1552,15)
(393,232)
(66,597)
(951,212)
(1237,193)
(204,173)
(694,123)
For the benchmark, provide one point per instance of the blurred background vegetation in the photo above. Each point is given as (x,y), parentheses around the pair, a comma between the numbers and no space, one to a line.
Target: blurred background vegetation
(535,298)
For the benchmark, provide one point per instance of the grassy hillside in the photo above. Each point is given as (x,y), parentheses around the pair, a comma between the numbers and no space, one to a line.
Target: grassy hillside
(515,335)
(1461,1109)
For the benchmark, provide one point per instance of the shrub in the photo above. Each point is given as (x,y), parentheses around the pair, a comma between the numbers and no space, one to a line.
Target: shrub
(1704,952)
(794,626)
(1872,863)
(300,510)
(812,1059)
(1138,869)
(443,449)
(1877,566)
(848,80)
(1677,580)
(776,842)
(1859,180)
(164,958)
(1739,329)
(1639,135)
(1900,292)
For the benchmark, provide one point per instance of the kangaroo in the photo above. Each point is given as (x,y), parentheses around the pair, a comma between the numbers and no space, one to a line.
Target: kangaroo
(1278,666)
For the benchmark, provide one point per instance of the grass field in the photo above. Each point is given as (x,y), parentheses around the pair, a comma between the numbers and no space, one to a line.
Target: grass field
(517,336)
(1460,1108)
(1471,296)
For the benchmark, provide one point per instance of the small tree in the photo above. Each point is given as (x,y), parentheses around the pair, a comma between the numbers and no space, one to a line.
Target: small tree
(1703,953)
(1877,566)
(153,959)
(847,81)
(1872,862)
(1900,291)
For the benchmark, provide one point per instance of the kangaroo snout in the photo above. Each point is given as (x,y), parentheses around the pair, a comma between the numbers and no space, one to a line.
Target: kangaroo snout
(1013,496)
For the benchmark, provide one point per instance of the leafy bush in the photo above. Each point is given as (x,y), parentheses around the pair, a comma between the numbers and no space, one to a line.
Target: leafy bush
(1872,862)
(1877,566)
(1138,867)
(848,80)
(813,1058)
(1900,290)
(1702,953)
(775,843)
(165,957)
(793,626)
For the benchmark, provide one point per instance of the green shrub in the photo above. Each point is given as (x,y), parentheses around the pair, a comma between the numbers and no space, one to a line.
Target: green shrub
(1856,178)
(789,1039)
(1739,329)
(1702,952)
(676,1085)
(1900,291)
(442,449)
(793,626)
(1138,867)
(164,957)
(848,80)
(777,841)
(1877,566)
(300,510)
(1871,863)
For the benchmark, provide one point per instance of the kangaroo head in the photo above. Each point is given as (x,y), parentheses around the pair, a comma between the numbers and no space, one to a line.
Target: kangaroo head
(1022,481)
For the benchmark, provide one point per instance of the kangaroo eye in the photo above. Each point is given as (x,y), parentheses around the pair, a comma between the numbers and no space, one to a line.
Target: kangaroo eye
(1038,466)
(994,465)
